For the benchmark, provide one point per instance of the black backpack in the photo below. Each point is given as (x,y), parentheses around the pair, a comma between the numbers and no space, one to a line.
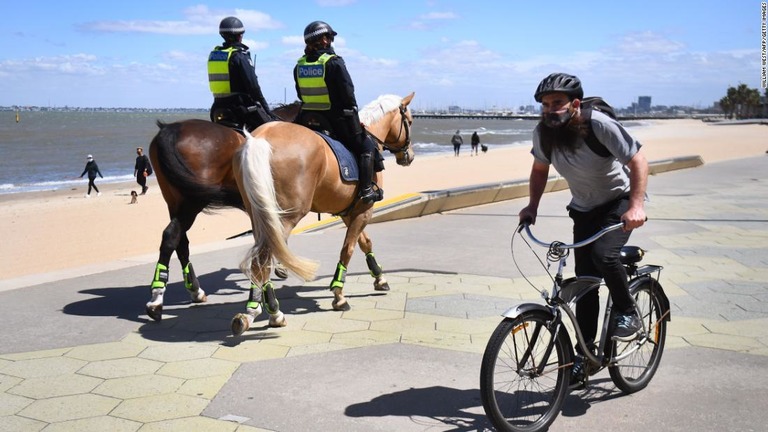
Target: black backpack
(589,104)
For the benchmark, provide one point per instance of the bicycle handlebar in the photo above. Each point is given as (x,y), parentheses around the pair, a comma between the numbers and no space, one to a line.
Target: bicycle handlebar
(527,226)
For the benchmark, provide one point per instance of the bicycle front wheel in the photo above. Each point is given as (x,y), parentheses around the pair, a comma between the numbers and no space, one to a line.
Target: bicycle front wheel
(525,371)
(638,360)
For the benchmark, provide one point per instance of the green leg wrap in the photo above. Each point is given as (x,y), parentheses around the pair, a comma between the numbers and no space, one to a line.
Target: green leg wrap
(254,297)
(271,304)
(190,278)
(373,266)
(161,277)
(339,276)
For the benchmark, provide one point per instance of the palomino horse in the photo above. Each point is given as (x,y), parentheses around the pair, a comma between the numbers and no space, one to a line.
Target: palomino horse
(192,160)
(284,171)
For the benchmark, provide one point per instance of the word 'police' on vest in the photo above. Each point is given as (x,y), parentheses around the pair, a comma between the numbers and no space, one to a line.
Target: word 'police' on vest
(309,71)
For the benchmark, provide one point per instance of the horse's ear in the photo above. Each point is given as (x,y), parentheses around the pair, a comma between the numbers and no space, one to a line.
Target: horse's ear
(407,99)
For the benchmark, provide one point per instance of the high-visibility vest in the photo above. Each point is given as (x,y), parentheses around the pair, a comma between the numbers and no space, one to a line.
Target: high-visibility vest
(310,77)
(218,71)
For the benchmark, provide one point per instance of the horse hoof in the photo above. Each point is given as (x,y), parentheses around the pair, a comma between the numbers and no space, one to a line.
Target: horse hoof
(239,324)
(277,320)
(341,305)
(155,312)
(281,272)
(198,298)
(384,286)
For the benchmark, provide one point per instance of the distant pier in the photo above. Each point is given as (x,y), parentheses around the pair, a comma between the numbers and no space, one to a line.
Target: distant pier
(621,117)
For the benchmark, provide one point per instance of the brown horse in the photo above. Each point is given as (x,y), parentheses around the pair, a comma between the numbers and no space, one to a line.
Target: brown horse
(284,171)
(192,160)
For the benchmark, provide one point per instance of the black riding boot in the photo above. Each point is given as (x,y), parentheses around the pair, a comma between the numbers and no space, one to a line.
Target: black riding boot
(369,193)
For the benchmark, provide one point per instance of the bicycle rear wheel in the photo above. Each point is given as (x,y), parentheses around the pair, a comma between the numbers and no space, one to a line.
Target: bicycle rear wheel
(524,374)
(640,358)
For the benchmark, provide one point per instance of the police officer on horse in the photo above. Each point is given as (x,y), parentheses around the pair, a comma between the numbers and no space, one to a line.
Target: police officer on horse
(328,102)
(237,97)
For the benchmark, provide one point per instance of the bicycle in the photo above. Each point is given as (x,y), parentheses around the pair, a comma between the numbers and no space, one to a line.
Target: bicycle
(526,369)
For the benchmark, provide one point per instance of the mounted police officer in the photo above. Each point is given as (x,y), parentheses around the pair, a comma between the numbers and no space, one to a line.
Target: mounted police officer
(328,102)
(237,97)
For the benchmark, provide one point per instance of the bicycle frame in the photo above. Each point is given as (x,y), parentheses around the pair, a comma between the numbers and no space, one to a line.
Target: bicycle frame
(565,293)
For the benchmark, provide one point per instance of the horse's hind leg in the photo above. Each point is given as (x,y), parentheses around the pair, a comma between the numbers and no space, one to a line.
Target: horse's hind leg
(261,294)
(171,239)
(191,283)
(379,282)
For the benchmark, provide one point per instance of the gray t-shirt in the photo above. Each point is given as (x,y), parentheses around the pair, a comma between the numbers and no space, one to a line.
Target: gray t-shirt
(593,179)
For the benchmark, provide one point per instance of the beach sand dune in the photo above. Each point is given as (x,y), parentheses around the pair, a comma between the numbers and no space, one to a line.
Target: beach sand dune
(49,231)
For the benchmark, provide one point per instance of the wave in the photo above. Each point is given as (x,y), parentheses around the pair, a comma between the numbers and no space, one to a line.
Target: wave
(10,188)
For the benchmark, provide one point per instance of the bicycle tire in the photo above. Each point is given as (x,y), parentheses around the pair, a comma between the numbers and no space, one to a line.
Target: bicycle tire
(515,397)
(634,372)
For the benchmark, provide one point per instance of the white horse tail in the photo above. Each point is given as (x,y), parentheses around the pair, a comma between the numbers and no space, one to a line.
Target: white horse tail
(255,175)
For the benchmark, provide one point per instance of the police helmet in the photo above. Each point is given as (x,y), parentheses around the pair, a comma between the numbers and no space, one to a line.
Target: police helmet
(230,28)
(317,28)
(560,83)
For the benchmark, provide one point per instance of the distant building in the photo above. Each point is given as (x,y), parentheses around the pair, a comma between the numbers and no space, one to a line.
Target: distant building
(454,109)
(644,103)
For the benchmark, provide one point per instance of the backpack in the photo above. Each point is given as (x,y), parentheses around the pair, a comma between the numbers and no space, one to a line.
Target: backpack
(588,104)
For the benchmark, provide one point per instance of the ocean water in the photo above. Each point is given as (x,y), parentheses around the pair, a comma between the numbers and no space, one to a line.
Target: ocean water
(46,150)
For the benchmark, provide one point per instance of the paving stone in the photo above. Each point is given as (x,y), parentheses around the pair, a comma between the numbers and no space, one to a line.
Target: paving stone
(206,387)
(190,424)
(7,381)
(62,385)
(11,404)
(65,408)
(198,368)
(43,367)
(12,423)
(138,386)
(119,368)
(105,351)
(101,423)
(178,352)
(161,407)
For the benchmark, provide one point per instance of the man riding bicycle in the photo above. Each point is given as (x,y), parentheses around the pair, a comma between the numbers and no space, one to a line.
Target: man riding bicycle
(605,191)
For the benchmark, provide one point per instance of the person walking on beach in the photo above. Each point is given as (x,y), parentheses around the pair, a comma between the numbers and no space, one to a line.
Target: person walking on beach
(92,168)
(142,169)
(457,141)
(475,143)
(604,190)
(237,96)
(328,102)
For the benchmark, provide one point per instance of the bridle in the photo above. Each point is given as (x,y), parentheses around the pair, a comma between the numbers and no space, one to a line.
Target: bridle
(404,126)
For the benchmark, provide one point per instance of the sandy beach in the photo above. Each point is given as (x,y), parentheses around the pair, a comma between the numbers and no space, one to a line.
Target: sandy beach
(50,231)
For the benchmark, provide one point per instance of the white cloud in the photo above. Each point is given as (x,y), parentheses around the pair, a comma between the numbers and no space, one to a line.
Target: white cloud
(199,20)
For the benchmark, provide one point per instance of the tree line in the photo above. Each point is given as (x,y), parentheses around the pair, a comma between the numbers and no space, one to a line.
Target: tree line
(743,102)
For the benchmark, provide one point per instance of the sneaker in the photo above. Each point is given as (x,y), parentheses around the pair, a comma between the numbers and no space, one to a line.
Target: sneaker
(626,325)
(578,373)
(87,195)
(98,193)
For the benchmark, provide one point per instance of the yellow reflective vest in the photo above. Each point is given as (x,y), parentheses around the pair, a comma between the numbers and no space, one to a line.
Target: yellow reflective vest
(218,71)
(310,77)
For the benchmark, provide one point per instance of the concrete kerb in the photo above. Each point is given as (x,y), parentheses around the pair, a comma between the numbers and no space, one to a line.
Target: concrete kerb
(429,202)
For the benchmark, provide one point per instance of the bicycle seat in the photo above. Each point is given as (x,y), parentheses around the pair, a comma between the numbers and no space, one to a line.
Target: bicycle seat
(631,254)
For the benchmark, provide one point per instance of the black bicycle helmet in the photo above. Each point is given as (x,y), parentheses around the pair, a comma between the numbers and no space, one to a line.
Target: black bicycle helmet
(230,28)
(559,83)
(317,28)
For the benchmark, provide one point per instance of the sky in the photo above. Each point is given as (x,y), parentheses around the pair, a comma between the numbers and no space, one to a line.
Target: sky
(477,54)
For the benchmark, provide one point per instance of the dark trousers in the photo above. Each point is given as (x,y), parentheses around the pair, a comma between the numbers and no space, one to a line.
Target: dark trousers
(601,259)
(141,179)
(91,184)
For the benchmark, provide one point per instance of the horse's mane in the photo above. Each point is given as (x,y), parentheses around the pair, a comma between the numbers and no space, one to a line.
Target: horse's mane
(375,110)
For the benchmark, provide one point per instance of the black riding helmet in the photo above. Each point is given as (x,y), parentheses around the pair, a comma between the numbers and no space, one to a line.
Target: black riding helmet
(230,28)
(317,28)
(559,83)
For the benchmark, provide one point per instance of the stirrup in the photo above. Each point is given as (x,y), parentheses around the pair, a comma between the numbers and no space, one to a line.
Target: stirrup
(372,194)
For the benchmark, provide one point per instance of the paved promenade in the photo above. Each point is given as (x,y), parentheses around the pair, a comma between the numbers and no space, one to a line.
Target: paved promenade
(77,353)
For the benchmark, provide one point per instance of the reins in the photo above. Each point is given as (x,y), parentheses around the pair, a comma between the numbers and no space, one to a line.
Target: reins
(403,125)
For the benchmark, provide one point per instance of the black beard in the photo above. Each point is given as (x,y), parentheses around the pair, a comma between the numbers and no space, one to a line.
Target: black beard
(564,137)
